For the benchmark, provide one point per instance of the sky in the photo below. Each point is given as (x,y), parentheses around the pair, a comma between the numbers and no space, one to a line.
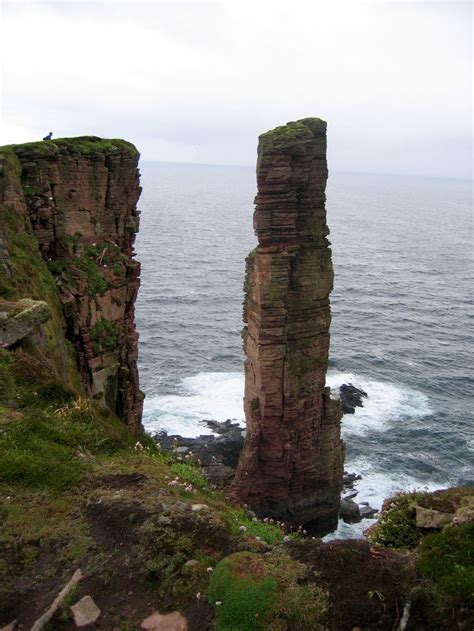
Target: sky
(198,82)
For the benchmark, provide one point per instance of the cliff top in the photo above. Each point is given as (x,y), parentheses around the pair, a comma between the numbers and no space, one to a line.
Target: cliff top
(79,145)
(296,130)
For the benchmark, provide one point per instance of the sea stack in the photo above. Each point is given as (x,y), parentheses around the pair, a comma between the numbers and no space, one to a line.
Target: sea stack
(291,465)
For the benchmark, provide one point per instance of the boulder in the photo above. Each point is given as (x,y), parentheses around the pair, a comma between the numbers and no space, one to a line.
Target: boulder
(18,319)
(85,612)
(173,621)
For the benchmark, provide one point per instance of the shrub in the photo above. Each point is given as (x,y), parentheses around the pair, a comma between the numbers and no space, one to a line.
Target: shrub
(447,558)
(397,527)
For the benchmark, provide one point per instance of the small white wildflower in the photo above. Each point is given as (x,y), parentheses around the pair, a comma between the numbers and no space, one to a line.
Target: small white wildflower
(257,538)
(243,529)
(210,569)
(286,539)
(218,603)
(198,595)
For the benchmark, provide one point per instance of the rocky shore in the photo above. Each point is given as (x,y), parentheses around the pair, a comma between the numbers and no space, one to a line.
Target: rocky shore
(218,454)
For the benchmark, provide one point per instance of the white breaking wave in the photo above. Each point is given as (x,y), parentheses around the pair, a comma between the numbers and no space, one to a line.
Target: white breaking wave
(385,404)
(208,395)
(219,396)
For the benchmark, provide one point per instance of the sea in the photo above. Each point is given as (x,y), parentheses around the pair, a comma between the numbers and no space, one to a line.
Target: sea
(401,316)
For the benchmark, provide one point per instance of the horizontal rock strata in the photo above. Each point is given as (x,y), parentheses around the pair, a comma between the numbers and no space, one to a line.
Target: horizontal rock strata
(292,462)
(77,197)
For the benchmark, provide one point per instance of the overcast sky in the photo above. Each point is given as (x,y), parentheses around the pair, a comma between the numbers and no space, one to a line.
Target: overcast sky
(197,82)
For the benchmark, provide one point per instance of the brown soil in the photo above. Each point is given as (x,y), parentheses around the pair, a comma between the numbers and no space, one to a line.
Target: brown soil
(368,585)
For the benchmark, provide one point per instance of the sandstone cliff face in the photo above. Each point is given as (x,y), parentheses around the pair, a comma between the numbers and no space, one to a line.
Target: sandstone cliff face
(292,462)
(73,201)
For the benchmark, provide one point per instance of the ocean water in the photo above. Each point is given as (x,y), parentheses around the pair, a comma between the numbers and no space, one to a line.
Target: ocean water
(401,315)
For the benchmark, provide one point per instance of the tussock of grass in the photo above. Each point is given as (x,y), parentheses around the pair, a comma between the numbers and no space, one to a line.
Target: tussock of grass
(447,558)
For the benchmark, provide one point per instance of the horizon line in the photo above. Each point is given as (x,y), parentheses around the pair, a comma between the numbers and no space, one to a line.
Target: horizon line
(342,172)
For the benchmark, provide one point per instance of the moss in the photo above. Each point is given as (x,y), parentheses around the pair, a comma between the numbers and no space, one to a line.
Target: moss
(447,558)
(251,592)
(245,594)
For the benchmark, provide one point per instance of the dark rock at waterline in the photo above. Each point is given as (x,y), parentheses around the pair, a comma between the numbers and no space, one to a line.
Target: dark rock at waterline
(348,479)
(351,398)
(349,511)
(352,513)
(218,455)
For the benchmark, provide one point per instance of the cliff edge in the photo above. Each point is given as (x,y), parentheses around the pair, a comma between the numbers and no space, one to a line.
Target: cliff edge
(67,226)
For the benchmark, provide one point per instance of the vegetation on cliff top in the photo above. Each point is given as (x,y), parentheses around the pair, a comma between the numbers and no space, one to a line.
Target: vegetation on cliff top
(80,145)
(294,130)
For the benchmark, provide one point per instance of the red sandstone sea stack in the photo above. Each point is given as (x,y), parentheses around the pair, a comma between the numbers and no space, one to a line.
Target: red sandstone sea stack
(292,463)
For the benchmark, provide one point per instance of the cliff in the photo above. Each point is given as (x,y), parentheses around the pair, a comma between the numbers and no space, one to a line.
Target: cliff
(67,227)
(147,539)
(292,462)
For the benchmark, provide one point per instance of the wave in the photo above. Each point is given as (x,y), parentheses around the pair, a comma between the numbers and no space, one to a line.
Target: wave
(209,395)
(386,404)
(219,396)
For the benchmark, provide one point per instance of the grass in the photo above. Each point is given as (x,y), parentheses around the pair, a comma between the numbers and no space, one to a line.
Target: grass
(104,335)
(447,558)
(267,533)
(245,594)
(251,591)
(294,130)
(80,145)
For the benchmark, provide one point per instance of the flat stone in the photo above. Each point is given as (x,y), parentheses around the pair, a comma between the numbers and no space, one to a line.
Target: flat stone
(85,612)
(429,518)
(173,621)
(18,319)
(198,508)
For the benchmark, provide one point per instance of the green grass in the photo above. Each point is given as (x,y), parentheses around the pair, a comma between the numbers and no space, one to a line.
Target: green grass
(447,558)
(251,591)
(267,532)
(80,145)
(246,595)
(294,130)
(44,430)
(190,473)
